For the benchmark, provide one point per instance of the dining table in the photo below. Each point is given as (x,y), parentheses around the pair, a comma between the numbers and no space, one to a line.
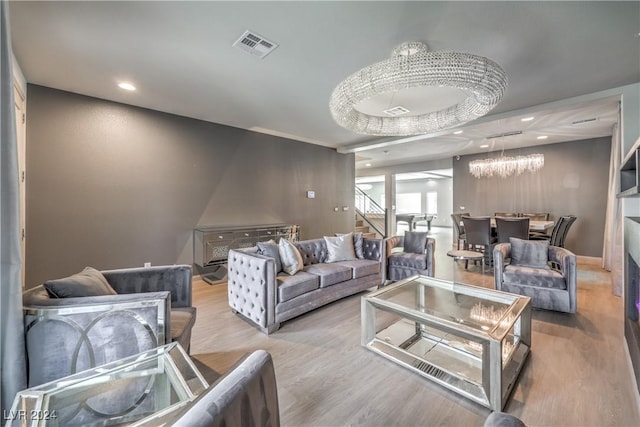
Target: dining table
(533,225)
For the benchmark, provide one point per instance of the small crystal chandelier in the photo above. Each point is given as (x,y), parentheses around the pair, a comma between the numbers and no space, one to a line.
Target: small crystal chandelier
(412,65)
(505,166)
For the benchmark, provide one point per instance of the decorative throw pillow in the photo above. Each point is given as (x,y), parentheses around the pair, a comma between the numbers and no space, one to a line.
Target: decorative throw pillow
(340,248)
(290,257)
(270,249)
(415,242)
(358,243)
(88,283)
(529,253)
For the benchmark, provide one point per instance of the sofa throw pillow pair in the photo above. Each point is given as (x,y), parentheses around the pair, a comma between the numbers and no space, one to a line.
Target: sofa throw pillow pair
(358,243)
(340,248)
(88,283)
(529,253)
(290,257)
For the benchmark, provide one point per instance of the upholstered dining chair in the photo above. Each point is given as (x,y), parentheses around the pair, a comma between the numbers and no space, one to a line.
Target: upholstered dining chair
(95,317)
(512,227)
(479,236)
(560,231)
(461,237)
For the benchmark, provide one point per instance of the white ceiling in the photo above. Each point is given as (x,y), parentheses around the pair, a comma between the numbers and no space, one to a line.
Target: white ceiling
(180,57)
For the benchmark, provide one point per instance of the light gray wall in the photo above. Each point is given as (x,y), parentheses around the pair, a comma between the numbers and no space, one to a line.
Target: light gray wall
(573,181)
(111,185)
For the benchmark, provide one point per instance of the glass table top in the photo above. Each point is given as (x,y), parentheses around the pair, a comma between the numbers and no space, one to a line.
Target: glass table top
(121,392)
(481,309)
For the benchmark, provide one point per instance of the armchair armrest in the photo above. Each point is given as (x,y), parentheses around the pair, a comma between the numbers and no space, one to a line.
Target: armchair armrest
(173,278)
(68,335)
(501,252)
(393,242)
(568,267)
(251,288)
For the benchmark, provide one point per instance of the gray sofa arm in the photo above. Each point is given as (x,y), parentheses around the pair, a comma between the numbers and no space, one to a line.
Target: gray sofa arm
(501,252)
(173,278)
(67,335)
(251,288)
(374,249)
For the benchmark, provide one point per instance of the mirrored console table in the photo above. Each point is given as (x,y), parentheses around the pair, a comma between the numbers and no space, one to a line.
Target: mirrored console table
(211,244)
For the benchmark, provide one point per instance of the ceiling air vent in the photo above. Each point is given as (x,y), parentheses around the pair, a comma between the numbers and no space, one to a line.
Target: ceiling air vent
(396,111)
(502,135)
(581,122)
(255,44)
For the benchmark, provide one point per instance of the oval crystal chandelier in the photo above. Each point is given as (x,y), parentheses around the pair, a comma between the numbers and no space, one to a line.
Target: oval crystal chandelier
(412,65)
(505,166)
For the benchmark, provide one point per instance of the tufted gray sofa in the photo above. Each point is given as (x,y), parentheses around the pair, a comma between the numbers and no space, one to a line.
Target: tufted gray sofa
(267,298)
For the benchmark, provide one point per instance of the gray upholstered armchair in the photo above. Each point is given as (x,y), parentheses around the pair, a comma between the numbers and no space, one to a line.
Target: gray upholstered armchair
(409,255)
(545,273)
(246,396)
(141,308)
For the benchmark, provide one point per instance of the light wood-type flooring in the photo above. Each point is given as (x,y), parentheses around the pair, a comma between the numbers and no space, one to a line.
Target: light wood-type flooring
(577,373)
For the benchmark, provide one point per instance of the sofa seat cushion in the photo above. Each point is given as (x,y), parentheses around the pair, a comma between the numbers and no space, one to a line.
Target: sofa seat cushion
(362,267)
(182,321)
(540,277)
(410,260)
(329,274)
(290,287)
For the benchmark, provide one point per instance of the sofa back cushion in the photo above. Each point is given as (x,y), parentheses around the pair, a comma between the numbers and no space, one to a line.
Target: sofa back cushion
(529,253)
(313,251)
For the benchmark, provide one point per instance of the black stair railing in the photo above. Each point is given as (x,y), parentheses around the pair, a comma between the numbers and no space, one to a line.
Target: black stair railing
(372,213)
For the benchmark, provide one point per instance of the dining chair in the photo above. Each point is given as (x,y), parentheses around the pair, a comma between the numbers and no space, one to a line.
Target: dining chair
(560,231)
(479,236)
(506,214)
(512,227)
(459,228)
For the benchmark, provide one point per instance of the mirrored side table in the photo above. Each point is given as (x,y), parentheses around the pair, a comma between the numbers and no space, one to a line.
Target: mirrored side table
(135,390)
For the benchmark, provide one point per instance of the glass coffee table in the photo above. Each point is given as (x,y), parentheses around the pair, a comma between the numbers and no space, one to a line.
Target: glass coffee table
(469,339)
(138,390)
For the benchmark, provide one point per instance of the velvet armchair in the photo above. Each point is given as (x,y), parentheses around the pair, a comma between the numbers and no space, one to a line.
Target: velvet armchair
(136,310)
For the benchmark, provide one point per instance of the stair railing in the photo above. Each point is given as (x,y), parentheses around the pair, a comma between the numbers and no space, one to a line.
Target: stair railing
(372,213)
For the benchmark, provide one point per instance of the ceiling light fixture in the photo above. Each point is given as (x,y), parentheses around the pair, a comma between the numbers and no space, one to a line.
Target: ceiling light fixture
(542,137)
(505,166)
(484,146)
(126,86)
(527,119)
(458,132)
(411,66)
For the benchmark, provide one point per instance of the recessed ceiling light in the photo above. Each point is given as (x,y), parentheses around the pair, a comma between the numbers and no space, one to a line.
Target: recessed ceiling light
(368,164)
(527,119)
(126,86)
(543,137)
(458,132)
(484,146)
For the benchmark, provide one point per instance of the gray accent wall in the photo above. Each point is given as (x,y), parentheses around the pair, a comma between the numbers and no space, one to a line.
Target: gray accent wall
(574,181)
(111,185)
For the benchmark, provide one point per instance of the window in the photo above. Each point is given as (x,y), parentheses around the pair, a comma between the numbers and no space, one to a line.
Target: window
(408,203)
(432,203)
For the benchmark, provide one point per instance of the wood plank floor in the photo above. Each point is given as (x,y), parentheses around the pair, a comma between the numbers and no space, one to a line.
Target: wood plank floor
(577,373)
